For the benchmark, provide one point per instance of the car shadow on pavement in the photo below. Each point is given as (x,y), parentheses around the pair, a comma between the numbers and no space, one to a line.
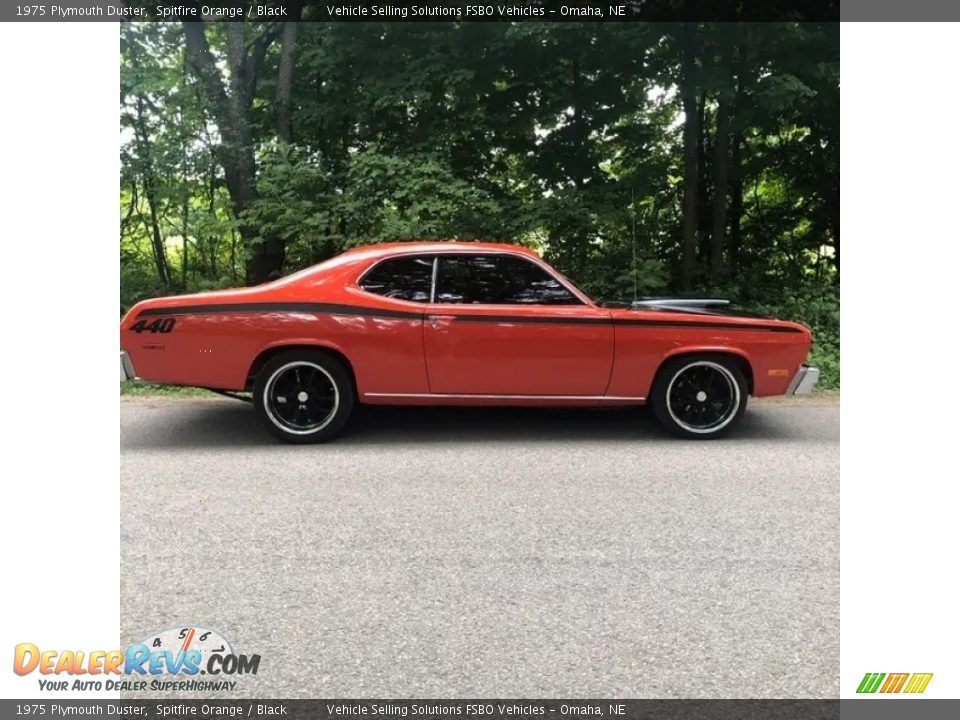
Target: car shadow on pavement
(233,424)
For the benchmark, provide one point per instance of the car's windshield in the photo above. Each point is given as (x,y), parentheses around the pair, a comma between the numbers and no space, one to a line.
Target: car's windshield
(574,285)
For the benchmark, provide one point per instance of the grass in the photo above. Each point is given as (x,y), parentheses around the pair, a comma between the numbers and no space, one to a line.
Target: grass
(135,388)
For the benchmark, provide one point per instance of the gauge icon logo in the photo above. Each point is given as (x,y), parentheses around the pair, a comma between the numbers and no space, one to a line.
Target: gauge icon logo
(181,640)
(198,649)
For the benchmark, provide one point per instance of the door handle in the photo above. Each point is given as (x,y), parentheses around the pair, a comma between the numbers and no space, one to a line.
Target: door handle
(438,321)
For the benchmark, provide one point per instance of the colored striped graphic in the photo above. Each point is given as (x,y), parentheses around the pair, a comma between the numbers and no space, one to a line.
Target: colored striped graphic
(870,682)
(918,683)
(894,682)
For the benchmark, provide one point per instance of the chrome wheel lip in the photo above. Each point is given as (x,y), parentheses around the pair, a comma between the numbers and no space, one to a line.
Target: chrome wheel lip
(268,405)
(734,406)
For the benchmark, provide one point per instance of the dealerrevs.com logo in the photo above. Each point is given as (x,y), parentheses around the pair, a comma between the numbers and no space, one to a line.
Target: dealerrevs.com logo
(910,683)
(168,660)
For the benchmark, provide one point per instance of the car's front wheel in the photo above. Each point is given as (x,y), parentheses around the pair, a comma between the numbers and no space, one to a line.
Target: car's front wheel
(699,396)
(304,396)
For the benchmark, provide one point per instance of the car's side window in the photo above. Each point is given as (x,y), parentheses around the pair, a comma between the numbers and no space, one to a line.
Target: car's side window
(402,278)
(498,280)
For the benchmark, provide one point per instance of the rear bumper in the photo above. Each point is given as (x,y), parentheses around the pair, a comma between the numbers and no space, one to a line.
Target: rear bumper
(126,367)
(804,381)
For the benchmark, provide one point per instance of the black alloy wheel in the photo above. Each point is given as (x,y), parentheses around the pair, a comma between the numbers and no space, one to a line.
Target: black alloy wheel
(304,396)
(699,396)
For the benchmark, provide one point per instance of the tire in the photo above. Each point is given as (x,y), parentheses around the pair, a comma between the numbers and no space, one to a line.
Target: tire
(682,390)
(304,396)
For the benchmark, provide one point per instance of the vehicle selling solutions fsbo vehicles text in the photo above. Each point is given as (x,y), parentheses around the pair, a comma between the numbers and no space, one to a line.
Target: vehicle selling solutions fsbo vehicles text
(417,11)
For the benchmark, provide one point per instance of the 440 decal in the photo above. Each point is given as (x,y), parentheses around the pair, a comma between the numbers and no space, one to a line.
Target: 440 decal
(894,682)
(161,325)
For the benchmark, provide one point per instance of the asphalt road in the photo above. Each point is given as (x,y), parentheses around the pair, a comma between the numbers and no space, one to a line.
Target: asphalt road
(491,553)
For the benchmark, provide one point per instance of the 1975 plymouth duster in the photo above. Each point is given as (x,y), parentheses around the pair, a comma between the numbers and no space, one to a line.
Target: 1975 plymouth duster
(450,323)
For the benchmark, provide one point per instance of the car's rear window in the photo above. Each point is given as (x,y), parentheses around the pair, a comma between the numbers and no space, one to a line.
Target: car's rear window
(403,278)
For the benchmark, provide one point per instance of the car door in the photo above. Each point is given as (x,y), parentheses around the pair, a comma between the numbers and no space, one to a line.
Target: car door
(385,336)
(502,324)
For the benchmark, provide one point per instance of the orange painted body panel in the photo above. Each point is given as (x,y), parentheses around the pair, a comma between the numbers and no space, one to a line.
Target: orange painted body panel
(405,352)
(517,357)
(641,350)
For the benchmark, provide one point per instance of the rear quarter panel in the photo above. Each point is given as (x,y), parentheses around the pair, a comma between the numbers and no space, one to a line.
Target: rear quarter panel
(381,338)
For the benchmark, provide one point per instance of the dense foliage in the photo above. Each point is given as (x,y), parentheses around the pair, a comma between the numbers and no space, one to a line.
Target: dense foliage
(640,158)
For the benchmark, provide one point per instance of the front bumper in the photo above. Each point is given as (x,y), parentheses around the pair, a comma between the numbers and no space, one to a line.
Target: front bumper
(804,381)
(126,367)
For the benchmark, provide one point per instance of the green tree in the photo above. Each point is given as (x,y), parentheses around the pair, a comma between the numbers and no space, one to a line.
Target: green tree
(640,158)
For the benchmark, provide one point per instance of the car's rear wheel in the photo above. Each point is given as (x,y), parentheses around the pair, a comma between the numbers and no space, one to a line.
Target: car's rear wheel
(699,396)
(304,396)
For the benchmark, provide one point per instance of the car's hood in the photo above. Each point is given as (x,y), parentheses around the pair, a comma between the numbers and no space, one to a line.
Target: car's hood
(715,318)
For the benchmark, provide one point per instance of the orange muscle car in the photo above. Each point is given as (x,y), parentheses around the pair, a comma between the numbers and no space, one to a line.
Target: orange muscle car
(446,323)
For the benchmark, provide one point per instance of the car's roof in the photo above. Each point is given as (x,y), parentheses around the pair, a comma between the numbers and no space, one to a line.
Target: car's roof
(432,246)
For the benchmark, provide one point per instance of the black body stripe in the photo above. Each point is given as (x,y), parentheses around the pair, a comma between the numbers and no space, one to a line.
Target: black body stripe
(336,309)
(620,322)
(523,319)
(279,307)
(709,325)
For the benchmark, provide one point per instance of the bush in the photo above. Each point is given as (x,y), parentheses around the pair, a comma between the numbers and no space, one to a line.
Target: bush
(819,309)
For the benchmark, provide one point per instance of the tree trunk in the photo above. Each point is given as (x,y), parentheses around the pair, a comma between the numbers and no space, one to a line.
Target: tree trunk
(233,254)
(703,184)
(580,162)
(736,156)
(236,151)
(126,219)
(736,204)
(288,56)
(159,253)
(185,206)
(185,210)
(145,153)
(721,169)
(691,134)
(721,158)
(214,243)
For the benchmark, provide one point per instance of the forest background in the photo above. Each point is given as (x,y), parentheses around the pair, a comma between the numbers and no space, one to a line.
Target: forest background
(639,158)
